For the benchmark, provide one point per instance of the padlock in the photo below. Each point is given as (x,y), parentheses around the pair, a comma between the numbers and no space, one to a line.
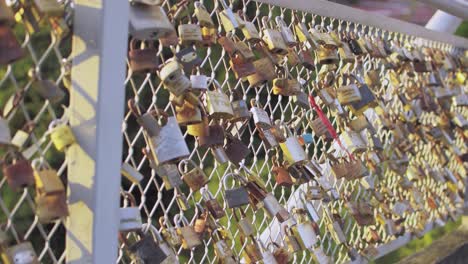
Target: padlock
(151,248)
(47,180)
(202,15)
(285,85)
(49,8)
(5,134)
(273,38)
(268,137)
(367,100)
(6,15)
(227,18)
(142,58)
(348,94)
(304,230)
(199,83)
(169,232)
(51,207)
(244,224)
(326,56)
(17,170)
(200,129)
(130,216)
(61,135)
(303,34)
(181,200)
(10,49)
(249,30)
(20,253)
(291,240)
(190,238)
(251,253)
(282,176)
(149,22)
(264,72)
(130,173)
(221,248)
(218,104)
(189,34)
(213,206)
(174,79)
(293,153)
(239,108)
(214,137)
(274,208)
(353,141)
(241,67)
(209,36)
(235,149)
(188,114)
(286,32)
(302,100)
(267,255)
(201,223)
(260,116)
(195,178)
(170,174)
(188,58)
(345,53)
(336,231)
(235,197)
(46,88)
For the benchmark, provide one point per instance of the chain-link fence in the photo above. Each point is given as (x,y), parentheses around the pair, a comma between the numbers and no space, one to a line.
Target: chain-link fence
(409,146)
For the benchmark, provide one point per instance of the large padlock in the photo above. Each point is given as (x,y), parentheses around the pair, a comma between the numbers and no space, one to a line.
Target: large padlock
(142,58)
(17,170)
(260,116)
(293,153)
(19,254)
(190,238)
(47,180)
(130,216)
(174,79)
(285,85)
(241,67)
(227,17)
(148,22)
(218,104)
(61,135)
(235,149)
(235,197)
(286,32)
(10,49)
(212,204)
(273,38)
(195,178)
(46,88)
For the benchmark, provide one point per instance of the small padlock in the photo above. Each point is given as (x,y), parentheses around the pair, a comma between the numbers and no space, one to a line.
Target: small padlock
(188,58)
(213,206)
(143,58)
(46,88)
(227,18)
(268,137)
(61,135)
(20,253)
(174,79)
(260,116)
(10,49)
(235,197)
(286,86)
(17,170)
(293,153)
(286,32)
(201,223)
(282,176)
(49,208)
(239,108)
(190,238)
(218,104)
(195,178)
(149,22)
(273,38)
(130,217)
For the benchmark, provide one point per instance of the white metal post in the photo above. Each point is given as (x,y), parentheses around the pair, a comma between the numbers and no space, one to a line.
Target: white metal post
(96,114)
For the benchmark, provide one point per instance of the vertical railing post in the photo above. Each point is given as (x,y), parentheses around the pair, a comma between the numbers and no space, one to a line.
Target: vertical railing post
(96,114)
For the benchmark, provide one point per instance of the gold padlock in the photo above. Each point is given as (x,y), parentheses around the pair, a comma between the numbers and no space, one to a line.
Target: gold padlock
(61,135)
(273,38)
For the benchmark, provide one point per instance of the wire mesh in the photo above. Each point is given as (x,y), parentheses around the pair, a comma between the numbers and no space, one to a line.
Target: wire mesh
(155,200)
(46,45)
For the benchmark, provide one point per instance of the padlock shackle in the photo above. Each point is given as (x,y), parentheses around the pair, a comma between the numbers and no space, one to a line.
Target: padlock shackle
(129,196)
(206,193)
(185,162)
(180,218)
(39,164)
(235,176)
(153,230)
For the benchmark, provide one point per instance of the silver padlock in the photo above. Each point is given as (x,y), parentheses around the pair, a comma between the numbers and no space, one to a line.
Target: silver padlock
(353,141)
(5,134)
(227,17)
(130,217)
(260,116)
(286,32)
(131,173)
(304,230)
(218,104)
(273,38)
(148,22)
(293,153)
(174,79)
(199,83)
(274,208)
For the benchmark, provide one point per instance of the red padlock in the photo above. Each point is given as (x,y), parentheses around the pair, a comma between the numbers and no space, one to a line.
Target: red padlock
(17,170)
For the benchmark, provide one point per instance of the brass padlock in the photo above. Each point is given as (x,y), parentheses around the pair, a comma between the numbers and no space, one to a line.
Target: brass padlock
(195,178)
(10,49)
(143,58)
(212,204)
(188,114)
(203,16)
(326,55)
(347,94)
(20,253)
(293,153)
(218,104)
(251,253)
(200,129)
(47,180)
(61,135)
(50,208)
(17,170)
(174,79)
(273,38)
(227,18)
(148,22)
(249,30)
(285,85)
(190,238)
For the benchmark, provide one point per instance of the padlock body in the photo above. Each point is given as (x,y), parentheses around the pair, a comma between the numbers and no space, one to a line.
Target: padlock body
(62,136)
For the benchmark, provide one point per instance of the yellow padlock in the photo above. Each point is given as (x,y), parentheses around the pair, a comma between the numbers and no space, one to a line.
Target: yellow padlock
(61,135)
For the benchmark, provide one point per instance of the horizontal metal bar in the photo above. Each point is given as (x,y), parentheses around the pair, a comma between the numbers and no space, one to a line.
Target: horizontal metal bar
(338,11)
(456,8)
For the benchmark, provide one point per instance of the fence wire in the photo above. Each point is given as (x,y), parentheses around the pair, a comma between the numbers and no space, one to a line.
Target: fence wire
(34,93)
(385,182)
